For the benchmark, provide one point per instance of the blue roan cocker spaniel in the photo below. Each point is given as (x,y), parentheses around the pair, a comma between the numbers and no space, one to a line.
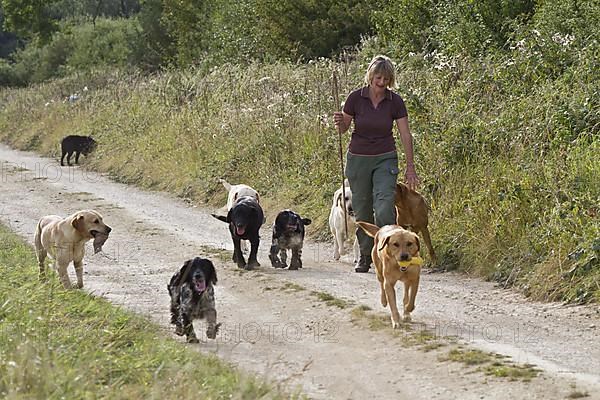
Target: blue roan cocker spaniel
(193,297)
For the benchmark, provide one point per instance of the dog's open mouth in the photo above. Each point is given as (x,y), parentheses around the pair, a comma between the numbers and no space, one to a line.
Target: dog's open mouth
(292,227)
(199,285)
(240,230)
(99,239)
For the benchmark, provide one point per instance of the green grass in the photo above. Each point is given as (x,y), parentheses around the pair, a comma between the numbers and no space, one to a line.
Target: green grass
(291,286)
(331,300)
(68,344)
(408,334)
(508,160)
(492,364)
(415,335)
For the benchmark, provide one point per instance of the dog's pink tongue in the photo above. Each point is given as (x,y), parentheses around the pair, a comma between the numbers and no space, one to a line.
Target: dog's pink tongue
(200,286)
(240,231)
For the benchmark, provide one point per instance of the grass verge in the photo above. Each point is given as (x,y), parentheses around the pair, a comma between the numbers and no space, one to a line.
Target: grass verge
(68,344)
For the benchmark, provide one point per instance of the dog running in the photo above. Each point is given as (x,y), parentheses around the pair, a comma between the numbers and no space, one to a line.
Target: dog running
(396,257)
(288,234)
(193,297)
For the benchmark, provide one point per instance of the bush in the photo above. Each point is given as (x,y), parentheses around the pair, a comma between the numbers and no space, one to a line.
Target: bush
(108,42)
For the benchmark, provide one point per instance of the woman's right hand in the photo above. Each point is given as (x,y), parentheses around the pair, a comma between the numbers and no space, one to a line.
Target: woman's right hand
(338,117)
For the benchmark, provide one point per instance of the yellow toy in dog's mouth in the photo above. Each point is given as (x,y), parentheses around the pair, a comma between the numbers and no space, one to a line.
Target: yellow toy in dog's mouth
(413,261)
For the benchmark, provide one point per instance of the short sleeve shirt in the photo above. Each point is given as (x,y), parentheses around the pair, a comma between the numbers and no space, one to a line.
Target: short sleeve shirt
(372,133)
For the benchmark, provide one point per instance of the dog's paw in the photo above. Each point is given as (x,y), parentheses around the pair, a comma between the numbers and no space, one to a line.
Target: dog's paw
(336,255)
(295,264)
(395,325)
(406,317)
(192,339)
(242,265)
(212,333)
(252,264)
(384,302)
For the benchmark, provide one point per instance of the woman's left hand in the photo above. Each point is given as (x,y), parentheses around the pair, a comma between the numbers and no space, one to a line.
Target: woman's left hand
(410,178)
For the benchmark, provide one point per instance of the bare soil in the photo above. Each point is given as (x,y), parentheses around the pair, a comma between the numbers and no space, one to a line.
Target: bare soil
(274,323)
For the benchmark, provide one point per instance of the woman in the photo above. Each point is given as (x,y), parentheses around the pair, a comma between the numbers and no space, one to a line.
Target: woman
(372,159)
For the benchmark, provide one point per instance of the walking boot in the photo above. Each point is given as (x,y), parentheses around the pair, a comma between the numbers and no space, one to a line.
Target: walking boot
(364,264)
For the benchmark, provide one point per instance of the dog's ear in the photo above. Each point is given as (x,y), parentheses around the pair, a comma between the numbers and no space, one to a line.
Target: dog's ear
(222,218)
(183,274)
(418,243)
(257,197)
(383,242)
(369,228)
(306,221)
(78,223)
(209,271)
(338,200)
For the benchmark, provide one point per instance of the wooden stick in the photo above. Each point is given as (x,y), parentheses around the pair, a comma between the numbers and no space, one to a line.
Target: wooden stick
(336,98)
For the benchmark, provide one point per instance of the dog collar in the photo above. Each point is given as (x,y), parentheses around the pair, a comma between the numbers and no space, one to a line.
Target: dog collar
(413,261)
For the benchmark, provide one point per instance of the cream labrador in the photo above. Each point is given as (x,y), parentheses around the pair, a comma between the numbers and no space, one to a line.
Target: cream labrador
(236,191)
(63,240)
(336,222)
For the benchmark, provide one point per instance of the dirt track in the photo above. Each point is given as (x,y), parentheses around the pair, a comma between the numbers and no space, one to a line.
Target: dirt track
(290,336)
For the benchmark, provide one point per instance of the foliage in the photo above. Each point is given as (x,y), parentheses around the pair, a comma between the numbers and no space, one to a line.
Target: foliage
(155,46)
(407,25)
(108,42)
(27,17)
(310,29)
(186,21)
(91,9)
(81,47)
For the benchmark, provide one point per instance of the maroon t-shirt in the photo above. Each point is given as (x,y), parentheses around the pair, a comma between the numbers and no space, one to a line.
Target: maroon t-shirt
(373,126)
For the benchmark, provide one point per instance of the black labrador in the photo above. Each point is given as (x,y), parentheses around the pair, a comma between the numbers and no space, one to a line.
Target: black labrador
(192,296)
(245,219)
(78,145)
(288,233)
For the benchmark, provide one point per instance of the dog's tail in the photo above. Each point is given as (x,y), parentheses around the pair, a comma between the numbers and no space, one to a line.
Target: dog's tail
(226,184)
(220,217)
(369,229)
(39,249)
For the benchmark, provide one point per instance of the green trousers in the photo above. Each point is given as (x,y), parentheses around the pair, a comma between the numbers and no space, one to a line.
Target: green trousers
(373,184)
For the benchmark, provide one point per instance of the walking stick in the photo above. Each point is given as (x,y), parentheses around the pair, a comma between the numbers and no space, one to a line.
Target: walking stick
(336,98)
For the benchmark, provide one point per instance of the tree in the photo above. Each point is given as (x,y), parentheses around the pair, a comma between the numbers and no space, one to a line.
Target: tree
(28,18)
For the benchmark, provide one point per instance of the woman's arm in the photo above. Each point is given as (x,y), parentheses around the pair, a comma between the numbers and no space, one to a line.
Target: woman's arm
(410,176)
(342,120)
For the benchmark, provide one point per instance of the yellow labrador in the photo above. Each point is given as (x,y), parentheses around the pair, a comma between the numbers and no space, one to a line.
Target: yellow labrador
(396,258)
(63,239)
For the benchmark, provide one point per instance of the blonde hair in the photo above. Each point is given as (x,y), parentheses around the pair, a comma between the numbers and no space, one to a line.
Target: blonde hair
(381,65)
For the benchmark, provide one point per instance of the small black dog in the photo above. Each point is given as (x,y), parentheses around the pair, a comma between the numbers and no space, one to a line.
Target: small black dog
(192,296)
(76,144)
(245,219)
(288,233)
